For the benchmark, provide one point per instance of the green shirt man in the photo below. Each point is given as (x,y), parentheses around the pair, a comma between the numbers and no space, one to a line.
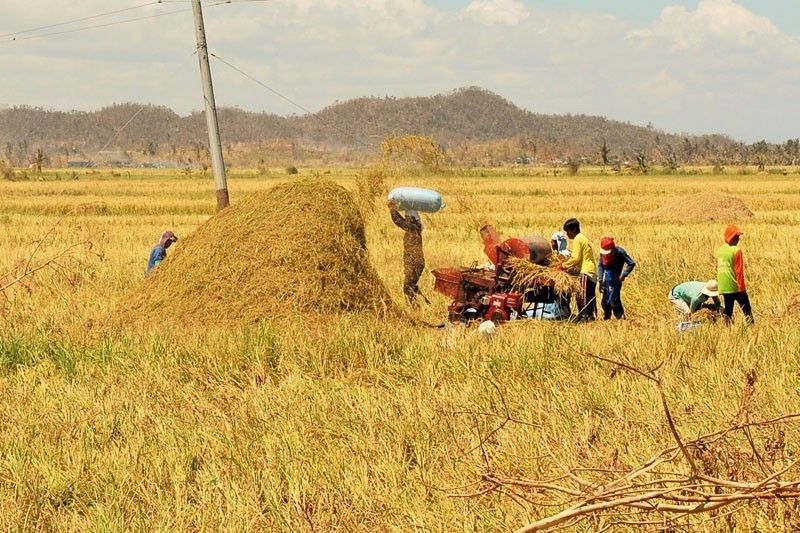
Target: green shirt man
(689,296)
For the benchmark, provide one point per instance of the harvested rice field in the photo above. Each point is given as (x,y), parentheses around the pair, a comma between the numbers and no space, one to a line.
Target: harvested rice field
(302,405)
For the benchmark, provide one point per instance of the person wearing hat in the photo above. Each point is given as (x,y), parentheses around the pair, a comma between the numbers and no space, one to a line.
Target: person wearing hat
(413,254)
(581,261)
(560,308)
(730,275)
(690,296)
(559,244)
(613,266)
(159,251)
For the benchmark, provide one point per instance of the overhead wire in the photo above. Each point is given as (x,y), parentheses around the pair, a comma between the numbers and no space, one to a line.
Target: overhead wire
(153,16)
(114,12)
(82,19)
(262,84)
(230,65)
(14,38)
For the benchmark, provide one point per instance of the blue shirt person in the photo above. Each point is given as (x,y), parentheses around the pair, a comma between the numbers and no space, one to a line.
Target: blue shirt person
(613,267)
(159,251)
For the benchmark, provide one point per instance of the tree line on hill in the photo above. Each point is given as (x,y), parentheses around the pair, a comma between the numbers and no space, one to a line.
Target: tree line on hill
(473,127)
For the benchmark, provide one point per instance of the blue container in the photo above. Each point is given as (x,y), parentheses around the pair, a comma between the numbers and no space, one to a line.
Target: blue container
(416,199)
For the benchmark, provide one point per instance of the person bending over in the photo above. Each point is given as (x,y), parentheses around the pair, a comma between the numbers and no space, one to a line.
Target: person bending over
(691,296)
(159,251)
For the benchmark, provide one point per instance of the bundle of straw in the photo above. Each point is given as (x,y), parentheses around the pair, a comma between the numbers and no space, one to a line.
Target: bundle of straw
(707,315)
(530,276)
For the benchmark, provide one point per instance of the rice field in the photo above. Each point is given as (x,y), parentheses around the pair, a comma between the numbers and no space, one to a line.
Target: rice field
(360,423)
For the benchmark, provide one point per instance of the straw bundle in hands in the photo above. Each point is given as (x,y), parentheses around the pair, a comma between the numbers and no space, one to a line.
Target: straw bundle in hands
(707,316)
(530,276)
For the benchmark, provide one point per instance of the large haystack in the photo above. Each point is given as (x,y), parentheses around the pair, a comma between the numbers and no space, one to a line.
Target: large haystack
(296,248)
(707,206)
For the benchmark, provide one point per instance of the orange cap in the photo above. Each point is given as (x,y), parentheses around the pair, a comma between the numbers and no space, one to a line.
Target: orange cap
(731,232)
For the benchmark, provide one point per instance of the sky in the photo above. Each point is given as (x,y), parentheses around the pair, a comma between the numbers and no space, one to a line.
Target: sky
(694,66)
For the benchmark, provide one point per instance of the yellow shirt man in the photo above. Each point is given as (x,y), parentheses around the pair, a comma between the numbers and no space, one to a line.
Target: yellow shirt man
(582,259)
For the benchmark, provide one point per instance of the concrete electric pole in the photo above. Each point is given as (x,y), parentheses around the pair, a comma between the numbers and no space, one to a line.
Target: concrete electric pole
(214,144)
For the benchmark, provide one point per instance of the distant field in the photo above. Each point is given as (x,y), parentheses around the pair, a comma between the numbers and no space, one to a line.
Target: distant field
(350,422)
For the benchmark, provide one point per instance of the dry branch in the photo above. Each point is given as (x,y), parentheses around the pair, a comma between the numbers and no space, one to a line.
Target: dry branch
(689,488)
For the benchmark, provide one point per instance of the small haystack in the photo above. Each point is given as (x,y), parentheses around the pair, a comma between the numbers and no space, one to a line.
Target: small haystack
(296,248)
(530,276)
(707,206)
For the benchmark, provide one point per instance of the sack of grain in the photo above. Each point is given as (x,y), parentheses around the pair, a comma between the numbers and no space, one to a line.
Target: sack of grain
(416,199)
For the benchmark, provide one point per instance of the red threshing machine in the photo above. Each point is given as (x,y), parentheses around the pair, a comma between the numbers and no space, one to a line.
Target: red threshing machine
(486,293)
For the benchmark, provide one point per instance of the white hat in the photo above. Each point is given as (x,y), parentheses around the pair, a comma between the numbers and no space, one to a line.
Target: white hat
(711,288)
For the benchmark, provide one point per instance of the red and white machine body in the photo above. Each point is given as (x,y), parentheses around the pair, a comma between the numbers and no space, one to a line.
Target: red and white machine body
(485,293)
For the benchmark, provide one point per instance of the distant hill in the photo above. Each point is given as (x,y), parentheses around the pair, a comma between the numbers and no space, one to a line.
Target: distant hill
(473,114)
(465,116)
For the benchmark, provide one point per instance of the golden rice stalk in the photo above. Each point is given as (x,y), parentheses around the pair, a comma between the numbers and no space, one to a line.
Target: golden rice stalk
(369,185)
(529,276)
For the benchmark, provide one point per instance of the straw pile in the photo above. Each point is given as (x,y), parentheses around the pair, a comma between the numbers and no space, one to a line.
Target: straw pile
(296,248)
(707,206)
(707,316)
(530,276)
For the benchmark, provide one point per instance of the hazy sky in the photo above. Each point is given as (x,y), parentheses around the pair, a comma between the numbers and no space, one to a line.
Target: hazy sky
(728,66)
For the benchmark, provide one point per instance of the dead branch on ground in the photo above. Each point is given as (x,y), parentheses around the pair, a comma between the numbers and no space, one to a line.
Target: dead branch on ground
(690,477)
(21,274)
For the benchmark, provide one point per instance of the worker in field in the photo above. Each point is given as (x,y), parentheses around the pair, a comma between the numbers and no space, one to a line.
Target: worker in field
(560,309)
(413,255)
(159,251)
(614,265)
(582,263)
(559,244)
(730,275)
(691,296)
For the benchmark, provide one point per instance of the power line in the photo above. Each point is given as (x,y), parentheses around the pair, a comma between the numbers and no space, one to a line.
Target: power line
(276,93)
(82,19)
(106,25)
(109,13)
(115,23)
(264,85)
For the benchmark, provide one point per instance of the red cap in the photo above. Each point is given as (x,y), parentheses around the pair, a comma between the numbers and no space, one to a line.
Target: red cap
(607,245)
(731,232)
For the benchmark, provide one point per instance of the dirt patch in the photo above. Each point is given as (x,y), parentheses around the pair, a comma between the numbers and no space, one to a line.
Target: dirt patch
(296,248)
(707,206)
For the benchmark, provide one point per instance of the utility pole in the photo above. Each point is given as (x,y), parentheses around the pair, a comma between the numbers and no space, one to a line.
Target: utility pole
(214,144)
